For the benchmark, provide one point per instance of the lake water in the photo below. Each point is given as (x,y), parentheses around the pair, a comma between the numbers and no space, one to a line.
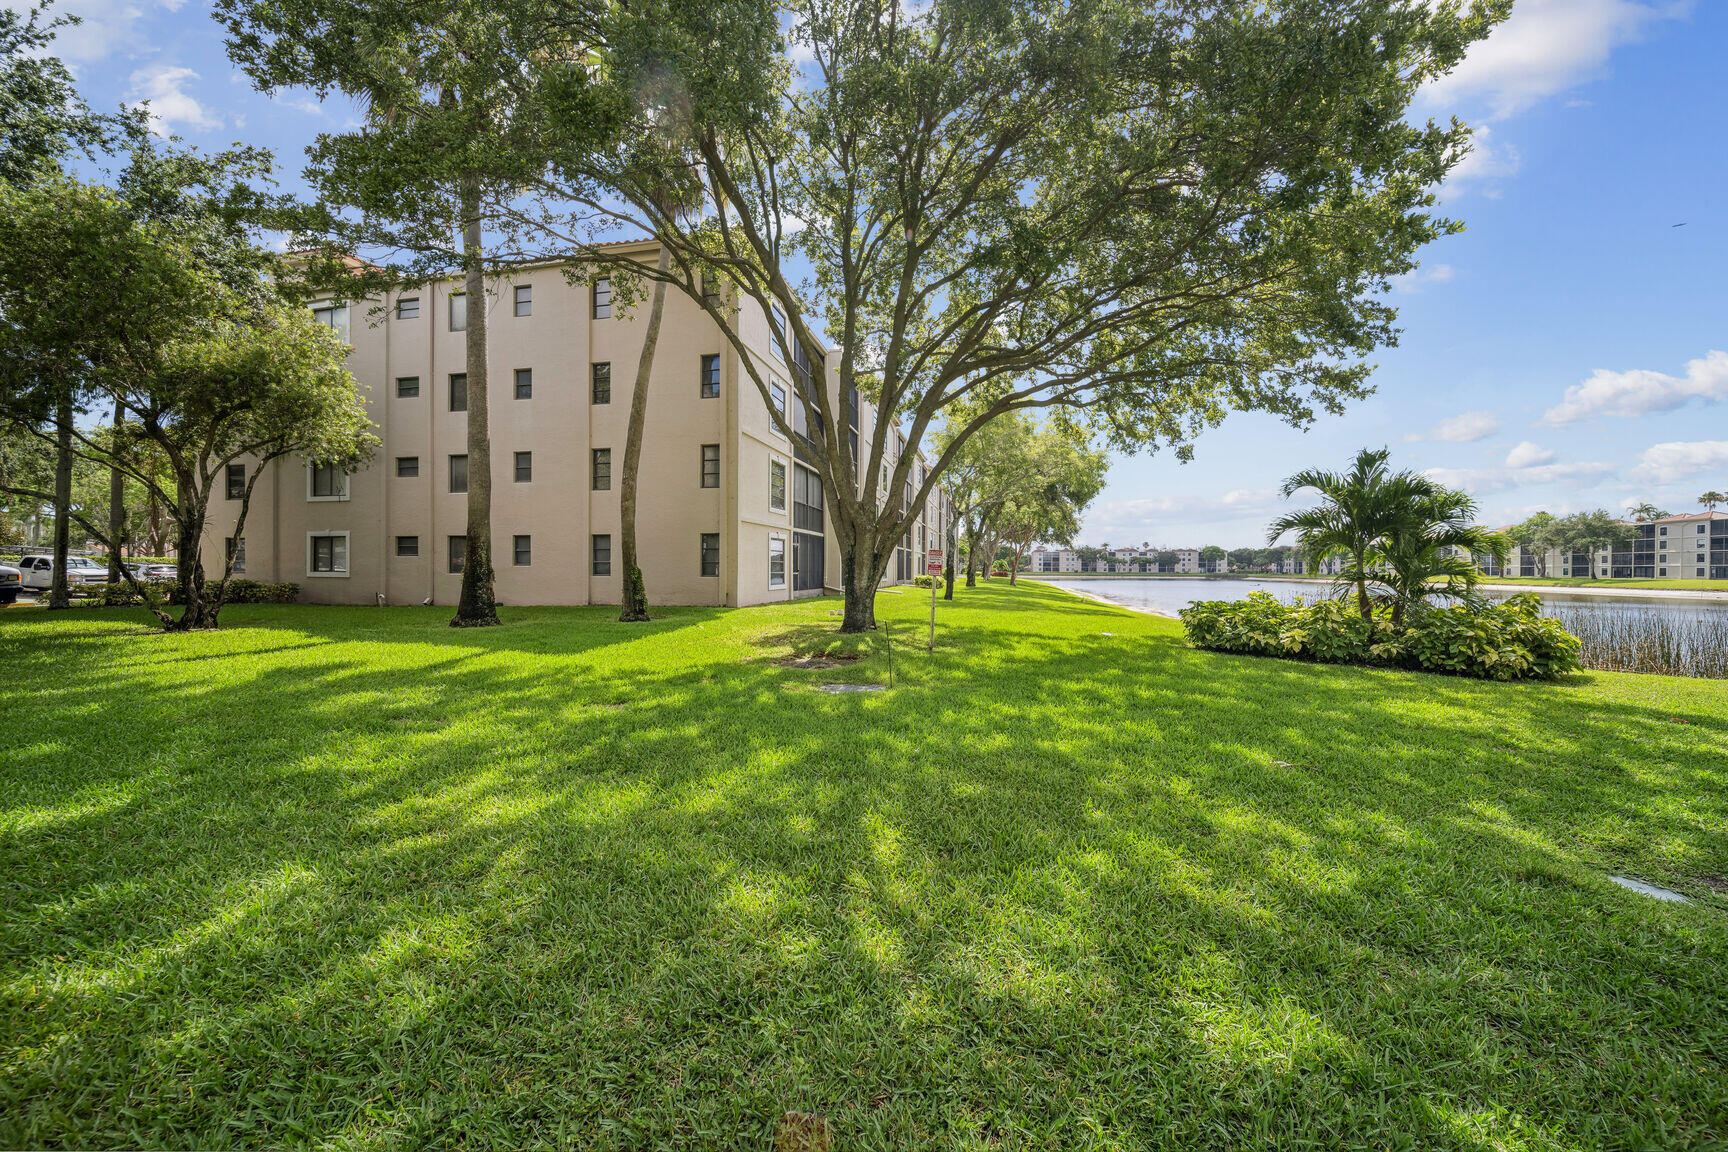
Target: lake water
(1672,635)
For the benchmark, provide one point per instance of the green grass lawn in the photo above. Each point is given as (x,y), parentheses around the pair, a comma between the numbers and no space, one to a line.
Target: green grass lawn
(348,877)
(1608,582)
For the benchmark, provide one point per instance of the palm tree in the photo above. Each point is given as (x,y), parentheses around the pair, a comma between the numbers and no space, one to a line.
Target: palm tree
(1437,542)
(1359,509)
(1712,498)
(1646,512)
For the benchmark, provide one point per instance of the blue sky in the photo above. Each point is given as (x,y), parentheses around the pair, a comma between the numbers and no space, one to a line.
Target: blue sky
(1568,351)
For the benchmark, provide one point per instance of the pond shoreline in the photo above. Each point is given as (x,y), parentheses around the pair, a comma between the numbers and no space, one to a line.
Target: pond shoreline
(1700,594)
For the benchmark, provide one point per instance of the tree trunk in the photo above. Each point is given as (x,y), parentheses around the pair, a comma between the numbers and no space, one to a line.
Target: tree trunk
(634,606)
(59,596)
(859,577)
(116,506)
(948,574)
(477,606)
(196,615)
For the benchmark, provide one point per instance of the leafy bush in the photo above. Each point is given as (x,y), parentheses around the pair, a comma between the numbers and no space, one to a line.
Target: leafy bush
(240,591)
(921,581)
(1507,641)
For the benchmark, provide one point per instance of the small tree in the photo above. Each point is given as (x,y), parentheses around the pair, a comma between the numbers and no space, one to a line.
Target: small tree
(211,368)
(1536,534)
(1712,498)
(1432,551)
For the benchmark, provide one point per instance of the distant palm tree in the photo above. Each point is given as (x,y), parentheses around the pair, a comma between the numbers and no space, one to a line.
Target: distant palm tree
(1712,498)
(1433,552)
(1360,509)
(1646,512)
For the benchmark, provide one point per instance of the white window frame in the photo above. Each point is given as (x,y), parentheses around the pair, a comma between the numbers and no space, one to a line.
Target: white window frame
(785,483)
(413,312)
(346,487)
(347,556)
(338,317)
(773,539)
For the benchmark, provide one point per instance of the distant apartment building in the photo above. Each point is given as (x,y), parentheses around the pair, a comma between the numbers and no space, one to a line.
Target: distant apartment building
(1124,561)
(1689,547)
(730,512)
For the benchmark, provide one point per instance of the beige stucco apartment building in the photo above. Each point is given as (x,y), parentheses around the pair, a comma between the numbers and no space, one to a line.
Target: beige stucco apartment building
(727,515)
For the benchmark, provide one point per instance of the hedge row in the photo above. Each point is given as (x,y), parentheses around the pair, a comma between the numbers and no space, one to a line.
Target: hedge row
(240,591)
(1507,641)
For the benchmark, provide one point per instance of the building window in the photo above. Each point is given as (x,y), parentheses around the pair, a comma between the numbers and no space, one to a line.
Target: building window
(602,555)
(603,298)
(1663,530)
(778,319)
(602,469)
(235,552)
(459,473)
(1662,572)
(458,391)
(524,383)
(407,387)
(776,562)
(603,383)
(710,465)
(326,482)
(407,545)
(457,549)
(407,467)
(524,467)
(522,550)
(333,317)
(710,553)
(236,481)
(710,377)
(327,554)
(524,299)
(408,308)
(777,485)
(458,311)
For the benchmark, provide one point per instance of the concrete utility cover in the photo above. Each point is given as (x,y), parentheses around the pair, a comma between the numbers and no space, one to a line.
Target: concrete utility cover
(1651,890)
(852,687)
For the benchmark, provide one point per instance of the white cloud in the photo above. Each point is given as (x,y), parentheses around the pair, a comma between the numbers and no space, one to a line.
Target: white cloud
(1682,460)
(1462,429)
(1488,161)
(1528,455)
(1413,282)
(106,28)
(1546,47)
(1149,518)
(1480,480)
(1642,391)
(162,86)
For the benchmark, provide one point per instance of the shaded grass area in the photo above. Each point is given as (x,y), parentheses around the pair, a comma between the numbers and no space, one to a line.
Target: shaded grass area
(350,877)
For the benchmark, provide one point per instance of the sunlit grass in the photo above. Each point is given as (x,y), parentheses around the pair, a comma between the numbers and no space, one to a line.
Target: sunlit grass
(349,877)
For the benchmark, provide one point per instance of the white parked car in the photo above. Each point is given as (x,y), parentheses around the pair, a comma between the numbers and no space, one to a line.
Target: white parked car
(38,571)
(11,582)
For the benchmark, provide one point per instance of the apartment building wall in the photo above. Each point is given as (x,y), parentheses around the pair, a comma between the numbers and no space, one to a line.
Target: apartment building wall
(397,519)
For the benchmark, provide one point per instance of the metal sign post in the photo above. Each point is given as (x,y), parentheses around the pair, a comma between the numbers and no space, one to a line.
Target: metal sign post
(933,569)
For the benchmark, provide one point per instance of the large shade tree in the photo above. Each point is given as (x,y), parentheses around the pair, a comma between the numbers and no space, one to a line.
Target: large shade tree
(1151,213)
(169,319)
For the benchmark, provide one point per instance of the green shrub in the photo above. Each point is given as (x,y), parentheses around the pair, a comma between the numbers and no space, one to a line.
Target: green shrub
(240,591)
(921,581)
(1507,641)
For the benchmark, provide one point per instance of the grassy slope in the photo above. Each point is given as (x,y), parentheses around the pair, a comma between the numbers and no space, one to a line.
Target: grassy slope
(349,876)
(1607,582)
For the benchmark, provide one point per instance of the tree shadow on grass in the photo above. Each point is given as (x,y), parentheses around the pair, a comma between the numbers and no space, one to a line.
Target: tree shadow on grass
(1052,890)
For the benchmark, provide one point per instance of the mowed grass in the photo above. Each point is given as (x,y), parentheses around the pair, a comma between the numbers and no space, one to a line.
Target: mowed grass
(350,878)
(1609,582)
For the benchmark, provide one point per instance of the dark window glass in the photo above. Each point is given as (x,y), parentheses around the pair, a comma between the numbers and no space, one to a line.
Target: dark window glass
(329,553)
(407,387)
(236,553)
(776,563)
(458,552)
(524,467)
(603,383)
(524,299)
(710,553)
(710,377)
(522,550)
(777,485)
(710,465)
(458,312)
(458,392)
(236,481)
(524,383)
(602,298)
(602,469)
(710,290)
(407,545)
(459,473)
(329,481)
(407,466)
(807,499)
(778,396)
(408,308)
(602,555)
